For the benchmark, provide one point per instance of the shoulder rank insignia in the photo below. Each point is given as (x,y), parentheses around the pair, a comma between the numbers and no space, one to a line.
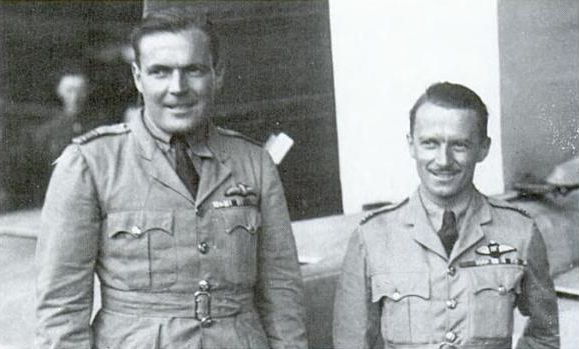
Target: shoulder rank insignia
(240,189)
(101,131)
(387,208)
(503,204)
(231,133)
(494,249)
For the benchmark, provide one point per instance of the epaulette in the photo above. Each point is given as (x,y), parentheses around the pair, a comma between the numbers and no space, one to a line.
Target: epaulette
(502,204)
(100,131)
(231,133)
(387,208)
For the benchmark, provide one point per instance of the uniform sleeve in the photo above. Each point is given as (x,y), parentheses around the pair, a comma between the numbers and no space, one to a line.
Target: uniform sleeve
(356,318)
(279,293)
(65,255)
(538,300)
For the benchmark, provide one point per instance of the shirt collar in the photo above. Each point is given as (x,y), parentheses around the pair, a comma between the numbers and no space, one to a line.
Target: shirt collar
(435,212)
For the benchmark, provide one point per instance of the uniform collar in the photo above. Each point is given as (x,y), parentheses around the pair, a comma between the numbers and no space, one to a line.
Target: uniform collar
(434,212)
(415,219)
(215,172)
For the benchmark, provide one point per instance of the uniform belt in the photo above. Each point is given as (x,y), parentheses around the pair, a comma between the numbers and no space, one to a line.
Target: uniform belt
(199,305)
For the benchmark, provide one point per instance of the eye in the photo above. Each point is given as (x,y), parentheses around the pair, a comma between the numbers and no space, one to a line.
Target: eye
(460,146)
(196,70)
(159,71)
(428,143)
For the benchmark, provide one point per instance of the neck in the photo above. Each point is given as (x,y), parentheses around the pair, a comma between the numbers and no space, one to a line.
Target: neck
(451,203)
(194,136)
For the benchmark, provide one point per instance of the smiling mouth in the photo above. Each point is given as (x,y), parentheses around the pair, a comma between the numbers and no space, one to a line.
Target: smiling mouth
(180,107)
(444,174)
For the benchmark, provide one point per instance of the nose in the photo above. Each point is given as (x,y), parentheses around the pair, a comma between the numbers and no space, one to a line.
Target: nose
(443,156)
(177,84)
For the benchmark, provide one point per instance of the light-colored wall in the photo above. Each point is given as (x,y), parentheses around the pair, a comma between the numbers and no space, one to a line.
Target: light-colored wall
(539,55)
(385,53)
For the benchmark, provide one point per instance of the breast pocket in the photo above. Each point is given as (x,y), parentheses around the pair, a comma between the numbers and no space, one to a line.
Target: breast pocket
(494,290)
(139,249)
(404,299)
(241,227)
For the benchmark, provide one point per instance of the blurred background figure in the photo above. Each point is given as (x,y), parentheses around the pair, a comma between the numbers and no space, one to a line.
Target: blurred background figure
(73,90)
(80,111)
(71,119)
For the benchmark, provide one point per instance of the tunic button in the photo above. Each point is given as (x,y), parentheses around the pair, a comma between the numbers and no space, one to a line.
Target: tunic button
(203,247)
(396,296)
(206,323)
(502,290)
(204,285)
(136,231)
(451,271)
(450,336)
(451,303)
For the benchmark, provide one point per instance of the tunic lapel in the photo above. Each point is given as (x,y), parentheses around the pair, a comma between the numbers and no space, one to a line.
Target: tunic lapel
(478,213)
(216,170)
(420,228)
(155,162)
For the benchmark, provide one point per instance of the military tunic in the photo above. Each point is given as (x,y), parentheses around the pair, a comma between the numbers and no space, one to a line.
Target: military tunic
(215,271)
(398,288)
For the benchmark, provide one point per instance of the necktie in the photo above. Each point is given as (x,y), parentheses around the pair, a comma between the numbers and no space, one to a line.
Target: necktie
(448,232)
(184,166)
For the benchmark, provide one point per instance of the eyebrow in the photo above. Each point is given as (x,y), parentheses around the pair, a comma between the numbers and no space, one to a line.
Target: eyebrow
(435,138)
(183,67)
(157,66)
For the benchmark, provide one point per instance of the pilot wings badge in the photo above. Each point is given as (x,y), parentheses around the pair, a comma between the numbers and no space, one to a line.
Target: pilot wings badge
(241,190)
(494,249)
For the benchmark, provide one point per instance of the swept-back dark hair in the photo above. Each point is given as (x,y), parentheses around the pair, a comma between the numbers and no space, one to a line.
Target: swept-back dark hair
(449,95)
(174,20)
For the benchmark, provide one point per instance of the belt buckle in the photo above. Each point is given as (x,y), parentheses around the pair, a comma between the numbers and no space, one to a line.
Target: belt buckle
(203,308)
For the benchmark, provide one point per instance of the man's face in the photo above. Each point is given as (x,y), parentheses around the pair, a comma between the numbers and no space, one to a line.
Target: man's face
(177,79)
(446,145)
(73,91)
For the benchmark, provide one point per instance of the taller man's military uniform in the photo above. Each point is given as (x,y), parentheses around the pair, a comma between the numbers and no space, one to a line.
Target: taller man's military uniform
(398,285)
(218,270)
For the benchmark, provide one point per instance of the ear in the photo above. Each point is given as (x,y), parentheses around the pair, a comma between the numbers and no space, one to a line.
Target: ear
(484,149)
(218,77)
(137,76)
(411,148)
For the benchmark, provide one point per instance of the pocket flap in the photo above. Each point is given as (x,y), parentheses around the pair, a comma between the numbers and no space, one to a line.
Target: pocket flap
(498,278)
(246,218)
(397,286)
(137,223)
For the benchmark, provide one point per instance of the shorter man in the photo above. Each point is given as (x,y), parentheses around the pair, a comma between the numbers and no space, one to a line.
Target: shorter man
(446,267)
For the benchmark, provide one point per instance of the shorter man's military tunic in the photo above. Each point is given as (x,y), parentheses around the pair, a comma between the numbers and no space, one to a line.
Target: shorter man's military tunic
(399,289)
(218,270)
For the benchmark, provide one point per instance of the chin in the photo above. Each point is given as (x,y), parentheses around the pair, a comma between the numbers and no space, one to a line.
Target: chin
(446,194)
(442,192)
(185,125)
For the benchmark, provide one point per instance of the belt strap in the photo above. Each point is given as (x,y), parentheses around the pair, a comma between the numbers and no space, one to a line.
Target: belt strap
(200,305)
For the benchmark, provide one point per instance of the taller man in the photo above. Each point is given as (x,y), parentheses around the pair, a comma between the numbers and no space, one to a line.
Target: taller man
(446,267)
(185,224)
